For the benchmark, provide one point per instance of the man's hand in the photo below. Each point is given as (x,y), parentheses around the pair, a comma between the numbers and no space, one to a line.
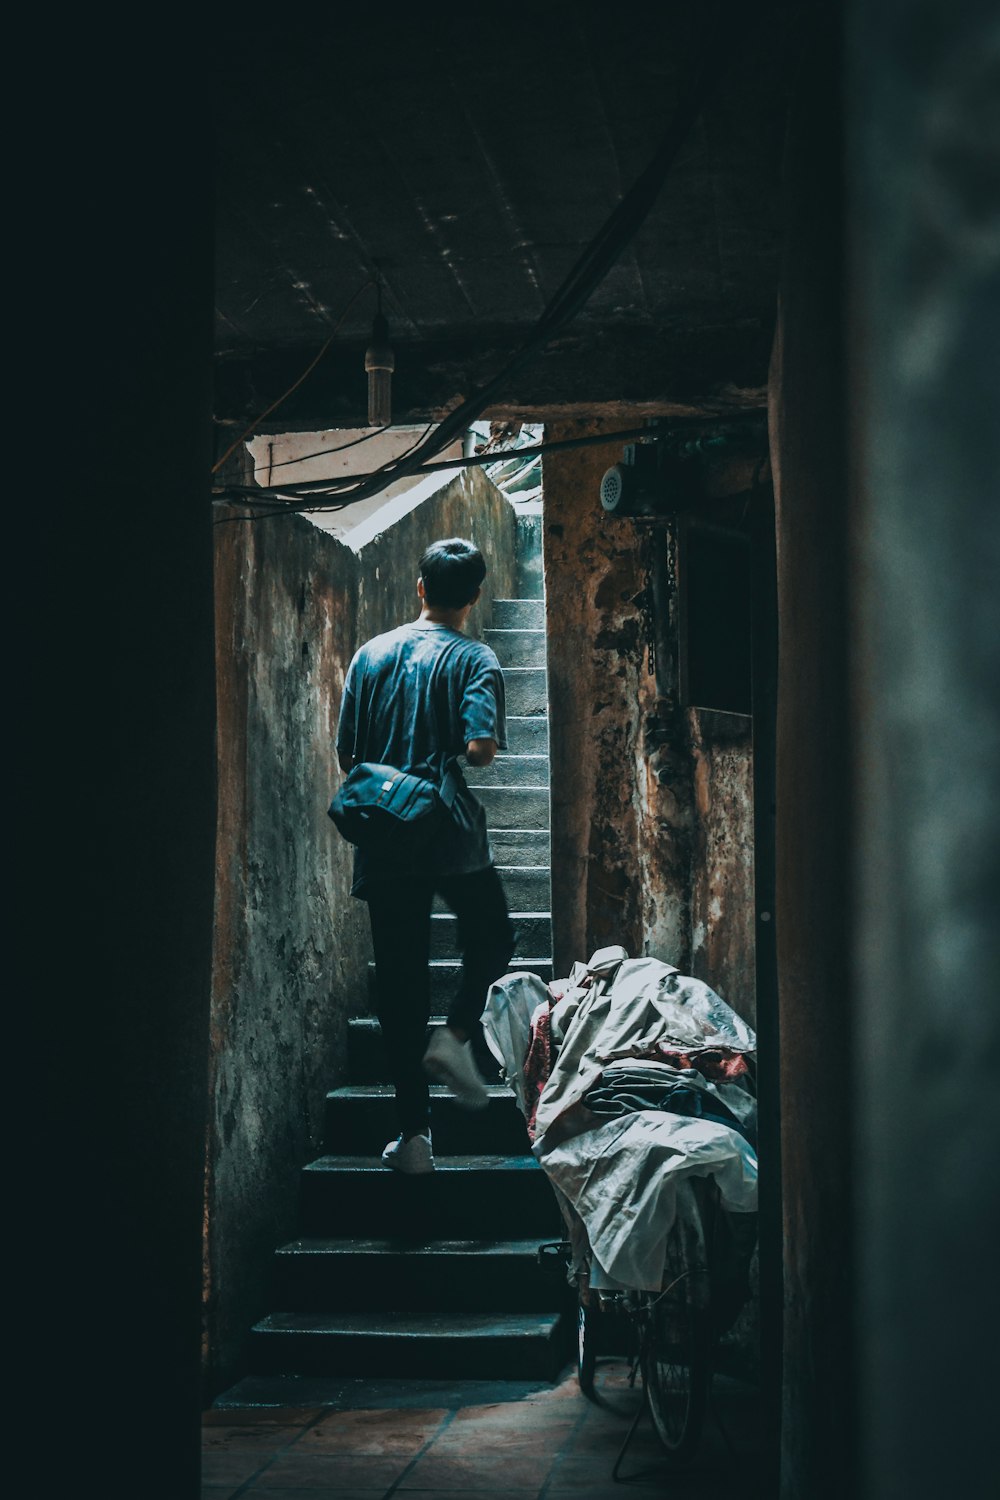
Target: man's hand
(480,752)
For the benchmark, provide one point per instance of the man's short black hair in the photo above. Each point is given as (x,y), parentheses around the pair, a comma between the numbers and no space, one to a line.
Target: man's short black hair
(452,572)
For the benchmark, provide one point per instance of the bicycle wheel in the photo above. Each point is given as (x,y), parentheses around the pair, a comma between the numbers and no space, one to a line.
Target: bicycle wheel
(676,1358)
(586,1349)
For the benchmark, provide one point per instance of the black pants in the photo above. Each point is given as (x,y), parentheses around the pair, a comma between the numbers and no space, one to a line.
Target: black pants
(400,913)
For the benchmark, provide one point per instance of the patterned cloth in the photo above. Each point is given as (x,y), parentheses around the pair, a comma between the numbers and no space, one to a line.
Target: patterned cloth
(720,1064)
(538,1062)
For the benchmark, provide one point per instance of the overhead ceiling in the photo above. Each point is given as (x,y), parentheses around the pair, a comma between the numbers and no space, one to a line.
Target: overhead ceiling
(471,156)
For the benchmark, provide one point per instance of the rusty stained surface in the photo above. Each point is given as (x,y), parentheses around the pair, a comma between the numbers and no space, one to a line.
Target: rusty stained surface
(591,575)
(663,783)
(284,633)
(291,945)
(722,889)
(651,846)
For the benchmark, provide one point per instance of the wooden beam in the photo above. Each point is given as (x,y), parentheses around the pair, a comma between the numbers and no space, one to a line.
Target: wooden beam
(615,370)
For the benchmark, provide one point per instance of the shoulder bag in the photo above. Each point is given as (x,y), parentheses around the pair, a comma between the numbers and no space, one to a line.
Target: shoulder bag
(386,811)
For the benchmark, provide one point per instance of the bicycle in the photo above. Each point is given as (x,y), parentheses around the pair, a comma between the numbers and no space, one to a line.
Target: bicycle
(672,1331)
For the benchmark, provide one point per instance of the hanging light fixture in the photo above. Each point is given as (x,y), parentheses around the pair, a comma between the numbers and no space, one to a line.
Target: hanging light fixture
(379,365)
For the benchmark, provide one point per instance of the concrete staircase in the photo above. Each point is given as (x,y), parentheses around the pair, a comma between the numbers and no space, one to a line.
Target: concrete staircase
(439,1277)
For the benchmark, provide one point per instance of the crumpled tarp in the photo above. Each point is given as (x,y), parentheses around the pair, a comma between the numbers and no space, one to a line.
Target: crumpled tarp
(621,1176)
(638,1005)
(626,1087)
(511,1003)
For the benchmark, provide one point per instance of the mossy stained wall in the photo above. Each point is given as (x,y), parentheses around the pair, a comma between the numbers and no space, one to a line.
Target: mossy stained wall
(651,836)
(291,945)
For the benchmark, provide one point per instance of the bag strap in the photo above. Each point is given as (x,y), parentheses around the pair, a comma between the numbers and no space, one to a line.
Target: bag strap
(449,782)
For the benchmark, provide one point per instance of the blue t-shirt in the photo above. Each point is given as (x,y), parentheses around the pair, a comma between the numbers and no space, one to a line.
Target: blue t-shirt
(410,693)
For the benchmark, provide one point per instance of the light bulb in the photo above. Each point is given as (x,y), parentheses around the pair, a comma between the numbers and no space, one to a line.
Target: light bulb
(379,363)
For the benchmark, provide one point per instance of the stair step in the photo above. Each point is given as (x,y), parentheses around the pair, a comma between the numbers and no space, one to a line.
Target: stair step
(520,846)
(527,734)
(510,770)
(515,806)
(518,614)
(324,1275)
(525,690)
(467,1197)
(445,974)
(431,1288)
(366,1061)
(527,888)
(366,1053)
(533,933)
(529,578)
(508,1345)
(361,1118)
(518,647)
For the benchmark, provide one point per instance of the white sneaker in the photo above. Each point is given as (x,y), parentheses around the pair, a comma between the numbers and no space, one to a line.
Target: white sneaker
(413,1156)
(451,1062)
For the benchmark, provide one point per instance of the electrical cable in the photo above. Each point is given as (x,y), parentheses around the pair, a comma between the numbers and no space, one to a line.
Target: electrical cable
(244,494)
(598,257)
(295,384)
(324,452)
(250,495)
(414,445)
(476,460)
(590,268)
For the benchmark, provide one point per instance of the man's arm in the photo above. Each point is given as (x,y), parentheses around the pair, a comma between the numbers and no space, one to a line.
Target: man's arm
(347,761)
(480,752)
(483,719)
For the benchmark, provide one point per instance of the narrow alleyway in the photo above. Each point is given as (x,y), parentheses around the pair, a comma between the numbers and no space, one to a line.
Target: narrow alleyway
(430,1353)
(439,1276)
(504,1441)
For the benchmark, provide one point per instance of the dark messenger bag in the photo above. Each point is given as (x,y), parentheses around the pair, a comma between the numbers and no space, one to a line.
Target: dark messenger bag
(386,811)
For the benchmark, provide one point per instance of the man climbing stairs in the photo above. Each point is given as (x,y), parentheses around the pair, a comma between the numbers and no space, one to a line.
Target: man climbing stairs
(437,1276)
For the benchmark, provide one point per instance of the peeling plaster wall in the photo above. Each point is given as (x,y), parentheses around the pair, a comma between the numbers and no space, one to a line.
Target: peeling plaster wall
(651,847)
(652,843)
(665,829)
(285,974)
(592,571)
(722,888)
(291,946)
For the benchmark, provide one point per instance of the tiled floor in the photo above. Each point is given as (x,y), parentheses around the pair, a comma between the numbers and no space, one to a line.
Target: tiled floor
(550,1444)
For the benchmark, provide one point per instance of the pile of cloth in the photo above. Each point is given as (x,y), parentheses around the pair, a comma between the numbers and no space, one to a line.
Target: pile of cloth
(632,1079)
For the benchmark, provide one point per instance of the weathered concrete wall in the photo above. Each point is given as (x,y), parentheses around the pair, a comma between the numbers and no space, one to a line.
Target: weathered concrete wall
(593,569)
(665,820)
(291,946)
(469,506)
(651,842)
(722,889)
(285,974)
